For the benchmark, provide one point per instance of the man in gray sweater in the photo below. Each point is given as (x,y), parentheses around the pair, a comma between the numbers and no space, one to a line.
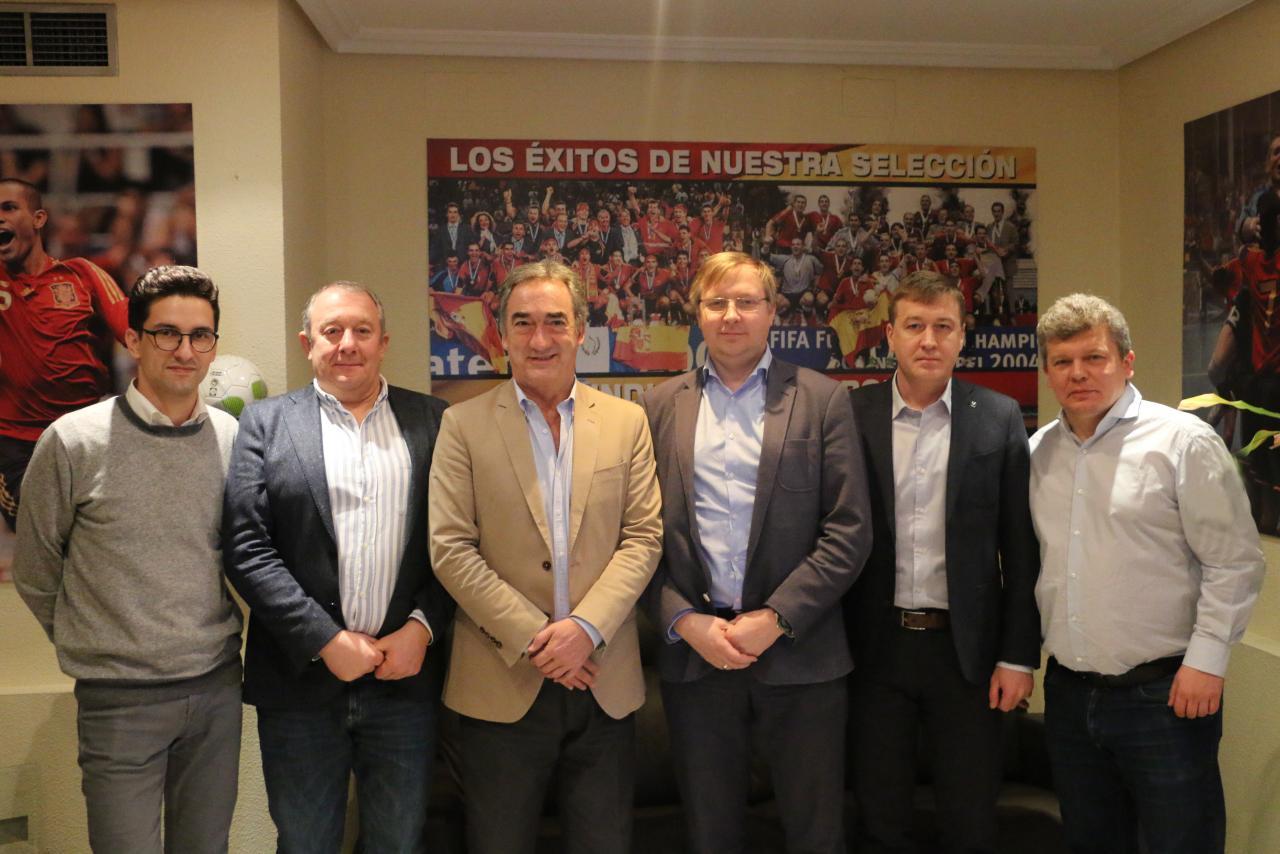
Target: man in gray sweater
(118,557)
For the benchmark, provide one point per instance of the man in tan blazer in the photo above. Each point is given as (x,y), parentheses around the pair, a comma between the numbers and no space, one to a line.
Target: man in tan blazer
(545,527)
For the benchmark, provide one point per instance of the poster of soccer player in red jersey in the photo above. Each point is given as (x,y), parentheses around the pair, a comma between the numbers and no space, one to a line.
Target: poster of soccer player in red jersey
(1231,266)
(91,196)
(841,225)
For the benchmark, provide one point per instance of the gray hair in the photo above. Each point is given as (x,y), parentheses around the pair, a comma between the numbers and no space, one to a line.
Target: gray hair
(1077,313)
(350,287)
(556,272)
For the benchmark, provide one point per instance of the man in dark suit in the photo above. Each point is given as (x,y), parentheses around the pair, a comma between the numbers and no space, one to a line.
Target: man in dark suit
(764,530)
(325,537)
(452,235)
(943,621)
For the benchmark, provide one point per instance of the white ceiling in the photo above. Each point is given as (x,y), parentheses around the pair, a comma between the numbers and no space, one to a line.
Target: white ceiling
(1069,34)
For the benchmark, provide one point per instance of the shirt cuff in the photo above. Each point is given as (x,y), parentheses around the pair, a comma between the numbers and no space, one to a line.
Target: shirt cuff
(596,640)
(1019,668)
(1206,654)
(416,614)
(672,636)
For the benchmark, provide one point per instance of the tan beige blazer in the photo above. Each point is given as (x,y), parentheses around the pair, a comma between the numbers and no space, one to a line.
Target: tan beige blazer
(491,547)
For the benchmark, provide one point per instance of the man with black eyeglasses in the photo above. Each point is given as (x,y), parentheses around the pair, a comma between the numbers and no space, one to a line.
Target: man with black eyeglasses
(765,527)
(118,558)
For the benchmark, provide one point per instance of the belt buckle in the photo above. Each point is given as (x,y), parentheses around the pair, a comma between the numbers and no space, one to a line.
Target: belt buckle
(902,619)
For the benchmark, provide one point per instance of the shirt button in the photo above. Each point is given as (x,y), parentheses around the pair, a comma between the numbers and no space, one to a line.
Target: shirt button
(1075,533)
(1079,492)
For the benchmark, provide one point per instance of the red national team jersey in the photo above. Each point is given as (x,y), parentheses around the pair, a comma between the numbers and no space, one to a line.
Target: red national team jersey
(1262,277)
(55,332)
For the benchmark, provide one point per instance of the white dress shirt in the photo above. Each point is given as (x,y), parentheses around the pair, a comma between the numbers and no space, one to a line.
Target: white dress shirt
(147,411)
(1147,544)
(368,472)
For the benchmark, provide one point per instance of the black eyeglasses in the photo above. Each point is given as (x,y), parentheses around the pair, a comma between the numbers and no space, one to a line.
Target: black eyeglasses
(168,339)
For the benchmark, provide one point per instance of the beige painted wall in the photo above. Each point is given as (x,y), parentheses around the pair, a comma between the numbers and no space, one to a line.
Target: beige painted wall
(1217,67)
(380,110)
(225,59)
(323,155)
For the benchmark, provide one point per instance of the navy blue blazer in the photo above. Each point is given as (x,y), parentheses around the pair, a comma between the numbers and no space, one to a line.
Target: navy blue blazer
(993,558)
(281,555)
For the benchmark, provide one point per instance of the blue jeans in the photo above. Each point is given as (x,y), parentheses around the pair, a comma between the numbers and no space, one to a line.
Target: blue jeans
(308,756)
(1124,764)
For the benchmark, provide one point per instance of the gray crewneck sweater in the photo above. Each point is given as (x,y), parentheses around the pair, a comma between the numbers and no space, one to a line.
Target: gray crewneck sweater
(118,552)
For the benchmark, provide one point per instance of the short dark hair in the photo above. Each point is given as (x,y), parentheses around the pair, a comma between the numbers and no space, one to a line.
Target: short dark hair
(30,191)
(928,287)
(171,281)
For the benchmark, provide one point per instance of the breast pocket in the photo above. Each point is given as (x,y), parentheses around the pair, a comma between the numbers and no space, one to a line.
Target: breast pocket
(798,469)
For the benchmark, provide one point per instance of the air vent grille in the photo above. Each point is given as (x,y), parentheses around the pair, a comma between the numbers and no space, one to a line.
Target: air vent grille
(57,39)
(13,38)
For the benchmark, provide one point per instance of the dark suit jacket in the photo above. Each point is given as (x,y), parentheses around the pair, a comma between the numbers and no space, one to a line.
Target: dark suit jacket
(992,558)
(441,246)
(281,555)
(809,534)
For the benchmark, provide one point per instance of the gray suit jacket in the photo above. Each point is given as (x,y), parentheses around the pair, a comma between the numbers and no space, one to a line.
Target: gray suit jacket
(810,529)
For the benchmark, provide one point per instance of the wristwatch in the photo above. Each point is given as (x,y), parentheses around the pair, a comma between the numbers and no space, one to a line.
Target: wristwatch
(783,625)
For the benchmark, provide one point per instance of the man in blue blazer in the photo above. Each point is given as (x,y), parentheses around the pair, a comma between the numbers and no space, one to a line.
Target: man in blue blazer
(943,621)
(325,537)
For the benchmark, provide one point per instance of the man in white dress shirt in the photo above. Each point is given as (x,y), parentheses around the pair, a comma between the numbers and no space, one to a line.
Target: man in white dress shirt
(1150,567)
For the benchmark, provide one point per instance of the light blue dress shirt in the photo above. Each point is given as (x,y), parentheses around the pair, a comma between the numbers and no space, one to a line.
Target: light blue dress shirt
(555,480)
(726,457)
(921,451)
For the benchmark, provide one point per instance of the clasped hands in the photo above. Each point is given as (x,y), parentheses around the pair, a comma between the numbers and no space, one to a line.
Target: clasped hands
(730,644)
(350,655)
(561,650)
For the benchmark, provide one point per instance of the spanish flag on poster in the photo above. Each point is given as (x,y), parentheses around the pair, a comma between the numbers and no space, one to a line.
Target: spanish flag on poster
(470,321)
(652,348)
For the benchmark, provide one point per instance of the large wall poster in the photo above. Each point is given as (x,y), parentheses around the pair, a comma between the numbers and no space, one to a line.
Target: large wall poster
(118,183)
(841,224)
(1230,330)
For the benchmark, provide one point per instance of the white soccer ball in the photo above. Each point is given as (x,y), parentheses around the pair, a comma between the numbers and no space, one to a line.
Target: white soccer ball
(233,382)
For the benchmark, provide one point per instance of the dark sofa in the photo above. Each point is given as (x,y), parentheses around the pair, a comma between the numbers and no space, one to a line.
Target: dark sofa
(1028,809)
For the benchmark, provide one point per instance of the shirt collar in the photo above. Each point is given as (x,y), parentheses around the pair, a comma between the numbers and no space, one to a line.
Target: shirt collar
(147,411)
(329,401)
(899,404)
(525,401)
(761,369)
(1124,409)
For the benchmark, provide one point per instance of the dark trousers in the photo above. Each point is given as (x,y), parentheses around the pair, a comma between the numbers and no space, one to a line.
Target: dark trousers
(15,455)
(1123,761)
(309,755)
(507,769)
(914,685)
(799,730)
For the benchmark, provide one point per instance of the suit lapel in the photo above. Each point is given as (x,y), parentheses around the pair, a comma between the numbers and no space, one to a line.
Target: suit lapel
(878,431)
(586,441)
(687,401)
(303,423)
(414,430)
(779,398)
(964,414)
(515,436)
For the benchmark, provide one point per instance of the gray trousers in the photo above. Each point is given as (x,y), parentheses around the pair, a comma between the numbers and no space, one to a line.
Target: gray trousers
(182,753)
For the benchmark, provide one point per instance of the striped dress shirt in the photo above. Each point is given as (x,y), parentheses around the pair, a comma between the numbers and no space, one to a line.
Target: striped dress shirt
(368,471)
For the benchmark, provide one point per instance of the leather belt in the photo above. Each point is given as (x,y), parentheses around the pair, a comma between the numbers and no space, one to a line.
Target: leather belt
(923,619)
(1140,675)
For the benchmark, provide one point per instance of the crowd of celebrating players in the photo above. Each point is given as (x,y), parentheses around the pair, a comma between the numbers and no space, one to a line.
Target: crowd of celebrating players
(637,249)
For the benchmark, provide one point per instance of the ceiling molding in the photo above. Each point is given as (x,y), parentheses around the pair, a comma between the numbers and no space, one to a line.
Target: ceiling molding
(337,22)
(1168,28)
